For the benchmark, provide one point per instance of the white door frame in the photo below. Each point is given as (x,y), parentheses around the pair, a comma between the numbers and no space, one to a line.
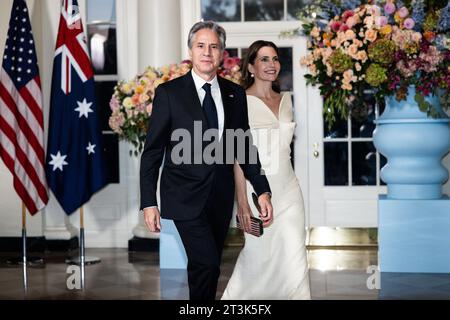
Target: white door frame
(335,206)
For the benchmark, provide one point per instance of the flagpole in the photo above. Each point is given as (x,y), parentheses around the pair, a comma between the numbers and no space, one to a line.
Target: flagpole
(82,260)
(24,247)
(82,256)
(24,260)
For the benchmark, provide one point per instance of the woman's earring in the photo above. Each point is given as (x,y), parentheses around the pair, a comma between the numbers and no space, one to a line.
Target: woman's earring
(252,75)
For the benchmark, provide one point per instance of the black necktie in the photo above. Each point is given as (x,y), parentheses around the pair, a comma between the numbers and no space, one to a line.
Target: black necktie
(210,107)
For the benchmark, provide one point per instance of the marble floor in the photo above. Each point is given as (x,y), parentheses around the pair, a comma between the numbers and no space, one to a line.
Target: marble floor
(334,274)
(342,270)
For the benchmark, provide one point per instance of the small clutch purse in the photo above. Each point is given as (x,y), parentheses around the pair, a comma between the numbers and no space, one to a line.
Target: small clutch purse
(256,225)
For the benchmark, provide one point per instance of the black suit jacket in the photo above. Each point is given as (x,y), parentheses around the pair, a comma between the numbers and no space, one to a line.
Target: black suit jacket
(185,187)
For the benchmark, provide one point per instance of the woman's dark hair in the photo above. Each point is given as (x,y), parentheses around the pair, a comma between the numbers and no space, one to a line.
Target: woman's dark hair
(247,79)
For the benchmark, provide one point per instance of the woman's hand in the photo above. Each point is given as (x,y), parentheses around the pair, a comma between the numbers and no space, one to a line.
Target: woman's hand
(244,215)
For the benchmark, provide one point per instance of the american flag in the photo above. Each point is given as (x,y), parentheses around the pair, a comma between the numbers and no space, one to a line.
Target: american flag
(75,166)
(21,116)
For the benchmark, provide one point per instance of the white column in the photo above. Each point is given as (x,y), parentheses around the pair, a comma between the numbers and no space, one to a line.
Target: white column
(159,32)
(140,230)
(158,45)
(190,13)
(57,224)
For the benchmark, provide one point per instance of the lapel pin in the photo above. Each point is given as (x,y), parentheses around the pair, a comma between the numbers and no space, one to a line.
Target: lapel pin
(231,95)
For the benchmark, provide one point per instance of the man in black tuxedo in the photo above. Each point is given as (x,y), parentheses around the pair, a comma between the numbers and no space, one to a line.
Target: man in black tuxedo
(199,196)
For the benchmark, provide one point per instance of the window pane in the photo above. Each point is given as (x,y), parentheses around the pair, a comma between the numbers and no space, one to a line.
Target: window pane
(111,152)
(221,10)
(263,10)
(294,6)
(364,164)
(362,122)
(233,52)
(336,163)
(101,10)
(381,106)
(363,128)
(285,77)
(337,130)
(102,46)
(103,92)
(383,162)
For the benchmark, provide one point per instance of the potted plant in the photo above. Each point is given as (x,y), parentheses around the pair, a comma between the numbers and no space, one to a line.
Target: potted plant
(131,103)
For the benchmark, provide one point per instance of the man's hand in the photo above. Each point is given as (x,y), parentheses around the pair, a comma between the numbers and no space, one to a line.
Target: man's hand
(152,219)
(266,213)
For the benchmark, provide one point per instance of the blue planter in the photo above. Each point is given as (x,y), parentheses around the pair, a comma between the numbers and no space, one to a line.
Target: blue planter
(414,146)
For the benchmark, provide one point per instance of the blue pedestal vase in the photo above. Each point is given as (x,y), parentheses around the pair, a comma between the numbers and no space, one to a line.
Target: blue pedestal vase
(414,145)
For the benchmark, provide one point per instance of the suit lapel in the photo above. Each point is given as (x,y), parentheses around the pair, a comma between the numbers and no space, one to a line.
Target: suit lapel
(192,102)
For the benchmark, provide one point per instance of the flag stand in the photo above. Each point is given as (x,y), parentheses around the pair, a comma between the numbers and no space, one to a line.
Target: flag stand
(82,260)
(25,260)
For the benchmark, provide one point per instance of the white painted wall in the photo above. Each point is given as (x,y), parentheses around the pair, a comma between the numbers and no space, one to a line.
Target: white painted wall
(163,45)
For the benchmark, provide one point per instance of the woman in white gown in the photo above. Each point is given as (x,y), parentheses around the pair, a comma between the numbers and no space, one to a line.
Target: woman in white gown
(273,266)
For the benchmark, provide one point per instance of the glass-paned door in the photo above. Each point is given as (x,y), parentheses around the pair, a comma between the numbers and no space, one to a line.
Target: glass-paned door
(345,167)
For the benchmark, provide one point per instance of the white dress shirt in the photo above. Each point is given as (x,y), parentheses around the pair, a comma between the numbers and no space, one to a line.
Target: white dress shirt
(217,97)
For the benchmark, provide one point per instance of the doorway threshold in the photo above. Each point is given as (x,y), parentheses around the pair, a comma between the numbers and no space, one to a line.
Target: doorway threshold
(345,238)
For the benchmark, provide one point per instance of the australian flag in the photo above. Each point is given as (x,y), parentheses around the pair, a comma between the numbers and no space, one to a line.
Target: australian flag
(74,165)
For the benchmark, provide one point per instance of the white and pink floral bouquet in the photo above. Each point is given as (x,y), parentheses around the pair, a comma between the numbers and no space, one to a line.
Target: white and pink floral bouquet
(131,103)
(230,68)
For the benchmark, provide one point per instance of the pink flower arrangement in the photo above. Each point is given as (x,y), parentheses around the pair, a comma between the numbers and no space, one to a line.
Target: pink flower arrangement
(389,8)
(379,49)
(131,103)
